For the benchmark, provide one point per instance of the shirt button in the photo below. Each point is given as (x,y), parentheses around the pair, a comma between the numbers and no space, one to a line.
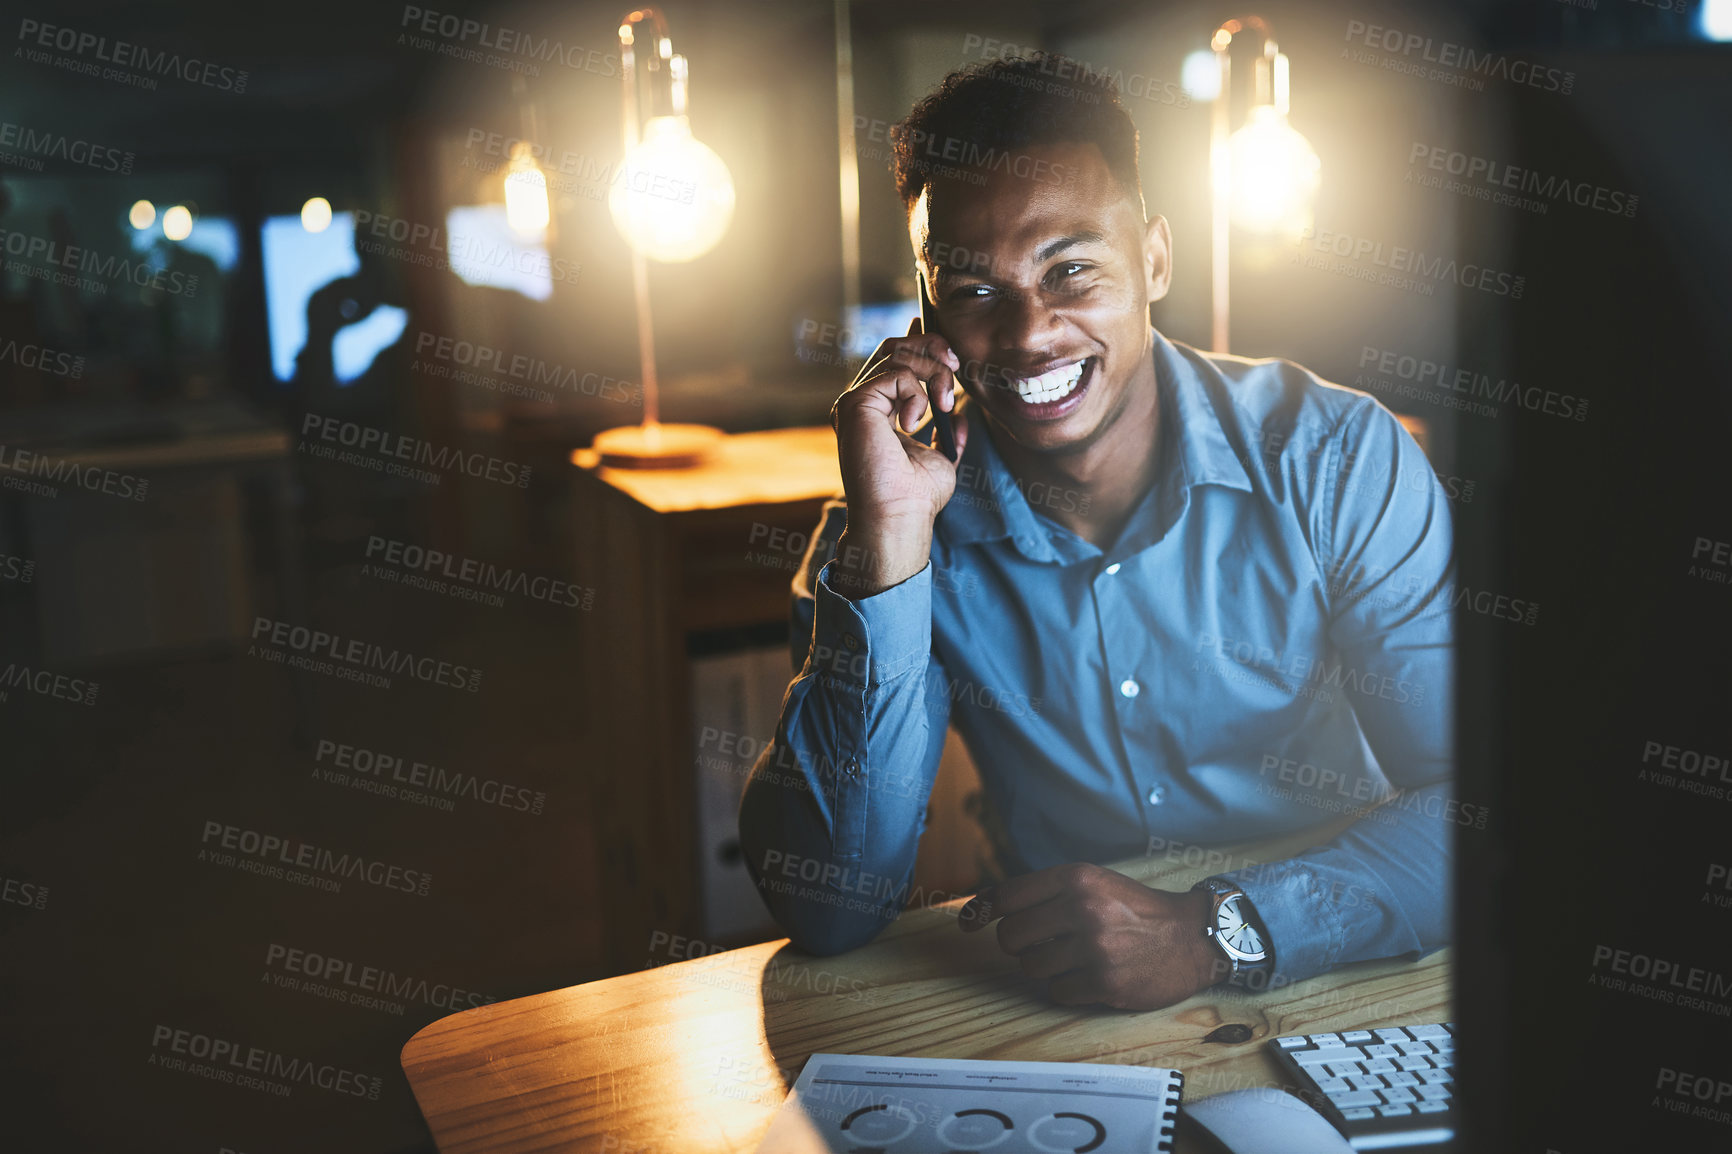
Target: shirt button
(1129,688)
(1155,795)
(1113,568)
(851,767)
(849,641)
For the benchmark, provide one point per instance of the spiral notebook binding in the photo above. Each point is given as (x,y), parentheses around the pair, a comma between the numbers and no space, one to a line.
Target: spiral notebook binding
(1170,1115)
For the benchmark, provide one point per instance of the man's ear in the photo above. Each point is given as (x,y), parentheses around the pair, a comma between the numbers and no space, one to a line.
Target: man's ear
(1157,258)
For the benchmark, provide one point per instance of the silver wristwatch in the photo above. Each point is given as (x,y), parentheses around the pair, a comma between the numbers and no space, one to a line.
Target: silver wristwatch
(1233,926)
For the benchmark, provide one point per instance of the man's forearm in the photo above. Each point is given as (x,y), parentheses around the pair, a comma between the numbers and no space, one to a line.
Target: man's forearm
(786,818)
(832,813)
(1381,888)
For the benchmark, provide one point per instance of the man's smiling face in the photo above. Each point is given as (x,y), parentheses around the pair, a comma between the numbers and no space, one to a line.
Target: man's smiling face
(1042,288)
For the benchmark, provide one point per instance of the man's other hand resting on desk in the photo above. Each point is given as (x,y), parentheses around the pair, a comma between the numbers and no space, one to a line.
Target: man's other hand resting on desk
(1101,937)
(1166,598)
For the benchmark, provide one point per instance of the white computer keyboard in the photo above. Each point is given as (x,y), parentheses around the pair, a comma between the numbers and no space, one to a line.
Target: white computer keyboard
(1384,1088)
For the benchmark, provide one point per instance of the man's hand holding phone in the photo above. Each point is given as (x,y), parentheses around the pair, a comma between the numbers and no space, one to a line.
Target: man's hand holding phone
(896,486)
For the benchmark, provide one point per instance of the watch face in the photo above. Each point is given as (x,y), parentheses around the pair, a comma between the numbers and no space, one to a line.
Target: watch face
(1236,935)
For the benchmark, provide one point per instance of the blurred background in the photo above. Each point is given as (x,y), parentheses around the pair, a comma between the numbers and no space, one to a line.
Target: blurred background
(294,544)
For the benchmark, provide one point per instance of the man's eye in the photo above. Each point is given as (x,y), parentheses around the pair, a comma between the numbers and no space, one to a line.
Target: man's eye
(1068,274)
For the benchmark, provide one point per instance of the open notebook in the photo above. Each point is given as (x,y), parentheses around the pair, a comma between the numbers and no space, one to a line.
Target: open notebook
(860,1103)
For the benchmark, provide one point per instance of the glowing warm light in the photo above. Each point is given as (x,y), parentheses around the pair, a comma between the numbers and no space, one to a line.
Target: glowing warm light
(1274,175)
(316,214)
(177,222)
(142,215)
(673,198)
(526,207)
(1200,76)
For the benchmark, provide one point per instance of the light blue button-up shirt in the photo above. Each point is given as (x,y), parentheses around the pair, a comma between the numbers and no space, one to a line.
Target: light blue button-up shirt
(1266,646)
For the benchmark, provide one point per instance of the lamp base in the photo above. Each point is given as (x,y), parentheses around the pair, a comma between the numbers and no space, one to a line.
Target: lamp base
(656,446)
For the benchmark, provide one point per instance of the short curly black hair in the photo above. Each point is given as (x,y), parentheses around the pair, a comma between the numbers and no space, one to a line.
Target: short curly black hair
(986,112)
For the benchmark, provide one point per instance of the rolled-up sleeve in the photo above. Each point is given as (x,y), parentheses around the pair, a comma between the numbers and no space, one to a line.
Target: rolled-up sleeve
(832,813)
(1382,888)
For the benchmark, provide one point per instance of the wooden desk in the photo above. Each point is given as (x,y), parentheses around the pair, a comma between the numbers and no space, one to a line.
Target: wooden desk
(696,1056)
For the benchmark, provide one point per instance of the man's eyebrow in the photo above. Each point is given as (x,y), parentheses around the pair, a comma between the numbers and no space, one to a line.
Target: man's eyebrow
(1064,242)
(945,271)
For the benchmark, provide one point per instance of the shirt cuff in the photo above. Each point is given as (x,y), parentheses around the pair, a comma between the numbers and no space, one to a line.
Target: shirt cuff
(1303,927)
(876,639)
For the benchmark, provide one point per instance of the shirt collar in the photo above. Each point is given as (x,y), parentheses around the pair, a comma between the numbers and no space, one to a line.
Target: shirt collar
(989,505)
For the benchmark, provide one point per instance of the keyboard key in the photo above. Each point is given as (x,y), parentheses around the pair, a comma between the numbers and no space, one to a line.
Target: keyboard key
(1395,1111)
(1291,1043)
(1336,1054)
(1378,1066)
(1367,1082)
(1334,1086)
(1431,1107)
(1426,1033)
(1434,1077)
(1342,1069)
(1392,1035)
(1382,1052)
(1414,1063)
(1402,1079)
(1444,1061)
(1450,1026)
(1357,1099)
(1326,1040)
(1318,1057)
(1434,1093)
(1358,1114)
(1397,1095)
(1443,1045)
(1354,1037)
(1414,1049)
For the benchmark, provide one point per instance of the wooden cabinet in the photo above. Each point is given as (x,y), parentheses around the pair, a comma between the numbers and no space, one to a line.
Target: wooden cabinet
(676,555)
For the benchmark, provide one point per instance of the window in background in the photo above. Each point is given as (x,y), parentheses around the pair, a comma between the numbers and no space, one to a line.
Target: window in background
(1717,19)
(216,237)
(485,250)
(86,273)
(297,264)
(870,325)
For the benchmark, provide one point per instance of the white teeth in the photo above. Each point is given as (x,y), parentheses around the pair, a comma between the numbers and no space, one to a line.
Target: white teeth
(1050,386)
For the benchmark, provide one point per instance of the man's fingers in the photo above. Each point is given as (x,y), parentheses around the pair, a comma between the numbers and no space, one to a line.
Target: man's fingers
(1019,893)
(892,392)
(911,407)
(1050,959)
(928,361)
(1020,930)
(926,344)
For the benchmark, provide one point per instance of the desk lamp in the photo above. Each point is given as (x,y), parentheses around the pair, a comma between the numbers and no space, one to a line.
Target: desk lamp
(1263,177)
(523,188)
(672,201)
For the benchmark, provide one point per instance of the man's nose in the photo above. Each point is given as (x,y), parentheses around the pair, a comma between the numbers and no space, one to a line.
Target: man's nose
(1026,322)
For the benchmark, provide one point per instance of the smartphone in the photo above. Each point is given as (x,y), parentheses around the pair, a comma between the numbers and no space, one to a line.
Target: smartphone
(945,431)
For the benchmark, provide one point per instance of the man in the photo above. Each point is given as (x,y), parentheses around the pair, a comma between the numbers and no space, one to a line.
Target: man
(1166,598)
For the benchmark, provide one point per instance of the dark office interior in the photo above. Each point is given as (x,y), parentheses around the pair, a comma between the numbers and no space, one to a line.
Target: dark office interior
(281,369)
